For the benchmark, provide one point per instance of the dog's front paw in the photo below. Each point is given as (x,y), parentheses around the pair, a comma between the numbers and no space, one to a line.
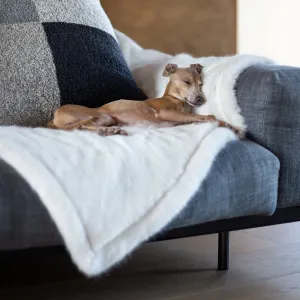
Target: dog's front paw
(210,118)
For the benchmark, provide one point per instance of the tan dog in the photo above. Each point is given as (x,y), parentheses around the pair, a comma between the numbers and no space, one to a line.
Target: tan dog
(184,87)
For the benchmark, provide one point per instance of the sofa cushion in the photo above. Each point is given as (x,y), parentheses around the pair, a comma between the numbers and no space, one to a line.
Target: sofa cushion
(58,52)
(24,221)
(242,181)
(269,98)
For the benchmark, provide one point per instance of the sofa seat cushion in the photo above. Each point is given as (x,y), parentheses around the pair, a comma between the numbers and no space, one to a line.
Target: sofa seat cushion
(243,181)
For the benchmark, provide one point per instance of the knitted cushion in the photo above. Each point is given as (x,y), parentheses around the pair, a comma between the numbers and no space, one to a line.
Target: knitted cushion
(55,52)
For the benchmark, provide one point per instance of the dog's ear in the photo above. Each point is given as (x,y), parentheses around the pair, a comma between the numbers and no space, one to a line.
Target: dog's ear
(170,69)
(197,68)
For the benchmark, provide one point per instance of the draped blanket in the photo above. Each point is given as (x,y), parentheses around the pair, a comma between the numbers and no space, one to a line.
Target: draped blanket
(107,195)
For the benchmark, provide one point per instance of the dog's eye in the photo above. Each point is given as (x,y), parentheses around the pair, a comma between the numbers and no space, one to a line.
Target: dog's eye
(187,82)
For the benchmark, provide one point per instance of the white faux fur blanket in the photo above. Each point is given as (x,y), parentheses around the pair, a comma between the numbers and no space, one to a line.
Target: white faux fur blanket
(107,195)
(219,73)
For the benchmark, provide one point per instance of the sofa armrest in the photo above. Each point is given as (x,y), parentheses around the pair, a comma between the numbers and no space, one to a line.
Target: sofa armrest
(269,98)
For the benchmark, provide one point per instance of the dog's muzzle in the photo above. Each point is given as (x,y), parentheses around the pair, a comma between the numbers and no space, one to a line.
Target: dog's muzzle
(199,101)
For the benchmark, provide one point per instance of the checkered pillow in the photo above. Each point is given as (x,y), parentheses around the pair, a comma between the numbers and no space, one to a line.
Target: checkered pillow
(55,52)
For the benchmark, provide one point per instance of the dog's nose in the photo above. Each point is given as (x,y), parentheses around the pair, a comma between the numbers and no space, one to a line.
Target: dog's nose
(200,100)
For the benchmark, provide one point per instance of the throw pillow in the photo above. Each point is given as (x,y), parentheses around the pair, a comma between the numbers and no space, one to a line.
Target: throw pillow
(56,52)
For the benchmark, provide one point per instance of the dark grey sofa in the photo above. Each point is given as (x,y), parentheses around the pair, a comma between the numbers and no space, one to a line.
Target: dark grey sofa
(254,182)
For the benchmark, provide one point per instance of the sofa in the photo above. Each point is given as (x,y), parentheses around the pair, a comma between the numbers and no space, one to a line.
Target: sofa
(265,191)
(253,182)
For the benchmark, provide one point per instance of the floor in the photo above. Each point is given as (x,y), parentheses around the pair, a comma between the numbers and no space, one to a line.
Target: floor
(265,264)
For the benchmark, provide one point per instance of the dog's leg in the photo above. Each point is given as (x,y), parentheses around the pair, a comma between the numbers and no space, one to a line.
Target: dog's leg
(99,122)
(77,124)
(103,126)
(181,118)
(95,122)
(89,122)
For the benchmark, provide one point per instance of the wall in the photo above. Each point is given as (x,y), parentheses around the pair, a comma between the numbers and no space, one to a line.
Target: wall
(200,27)
(270,28)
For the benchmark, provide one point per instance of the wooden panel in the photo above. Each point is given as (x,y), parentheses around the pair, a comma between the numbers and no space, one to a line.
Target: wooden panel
(200,27)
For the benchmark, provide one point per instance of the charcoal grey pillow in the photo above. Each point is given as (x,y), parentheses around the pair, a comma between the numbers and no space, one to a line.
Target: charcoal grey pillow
(55,52)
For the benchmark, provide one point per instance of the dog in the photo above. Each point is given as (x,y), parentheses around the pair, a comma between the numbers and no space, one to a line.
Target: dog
(183,90)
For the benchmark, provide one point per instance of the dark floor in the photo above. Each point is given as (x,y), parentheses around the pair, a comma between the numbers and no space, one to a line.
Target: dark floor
(265,264)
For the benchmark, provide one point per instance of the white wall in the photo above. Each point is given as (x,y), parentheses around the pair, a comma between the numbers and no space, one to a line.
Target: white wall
(270,28)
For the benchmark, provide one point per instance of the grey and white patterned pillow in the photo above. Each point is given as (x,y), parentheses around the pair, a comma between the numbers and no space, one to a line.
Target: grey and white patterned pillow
(55,52)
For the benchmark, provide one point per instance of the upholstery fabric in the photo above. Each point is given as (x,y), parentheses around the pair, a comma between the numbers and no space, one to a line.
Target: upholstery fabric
(57,52)
(269,98)
(242,181)
(24,222)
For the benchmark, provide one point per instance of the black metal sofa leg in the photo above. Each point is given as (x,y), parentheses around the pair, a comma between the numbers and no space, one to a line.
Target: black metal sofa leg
(223,251)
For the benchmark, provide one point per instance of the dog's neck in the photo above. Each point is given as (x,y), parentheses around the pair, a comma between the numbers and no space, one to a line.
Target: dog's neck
(179,103)
(170,95)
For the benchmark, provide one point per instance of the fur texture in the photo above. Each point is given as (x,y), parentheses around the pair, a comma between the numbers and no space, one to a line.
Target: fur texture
(220,74)
(107,195)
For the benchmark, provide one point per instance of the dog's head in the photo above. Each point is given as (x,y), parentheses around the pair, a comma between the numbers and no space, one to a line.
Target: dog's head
(186,83)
